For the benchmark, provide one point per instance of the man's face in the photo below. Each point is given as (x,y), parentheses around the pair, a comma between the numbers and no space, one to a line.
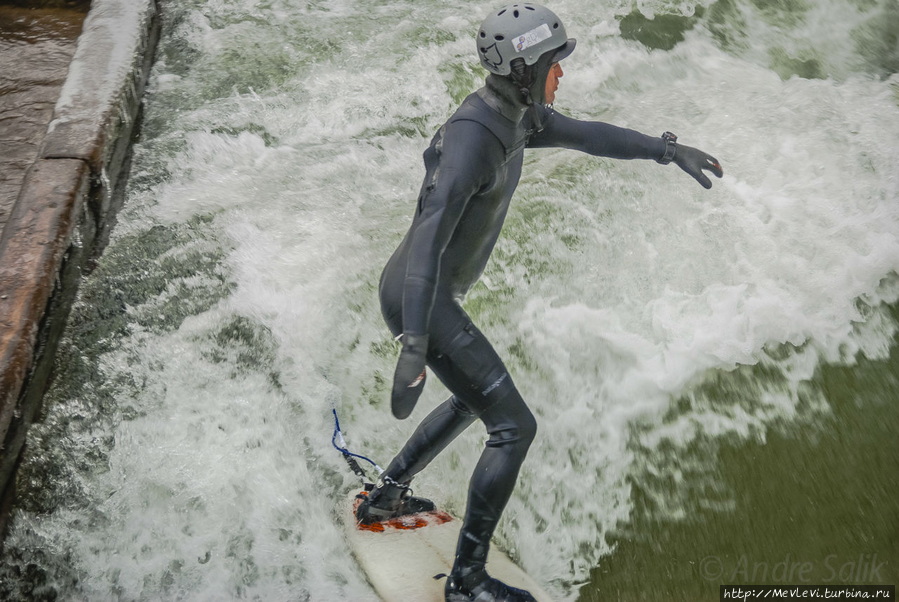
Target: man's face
(552,82)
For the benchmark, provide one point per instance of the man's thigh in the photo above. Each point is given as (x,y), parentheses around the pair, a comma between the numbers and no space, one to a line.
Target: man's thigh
(464,360)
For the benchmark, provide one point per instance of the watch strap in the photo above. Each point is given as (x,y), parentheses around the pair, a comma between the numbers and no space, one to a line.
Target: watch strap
(670,148)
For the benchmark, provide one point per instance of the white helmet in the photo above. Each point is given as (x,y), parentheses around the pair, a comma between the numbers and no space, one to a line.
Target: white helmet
(522,30)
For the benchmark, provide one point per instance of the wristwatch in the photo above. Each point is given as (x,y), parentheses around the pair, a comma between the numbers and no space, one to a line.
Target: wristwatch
(670,148)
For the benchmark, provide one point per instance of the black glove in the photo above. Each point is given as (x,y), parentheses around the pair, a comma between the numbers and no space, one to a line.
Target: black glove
(409,378)
(693,161)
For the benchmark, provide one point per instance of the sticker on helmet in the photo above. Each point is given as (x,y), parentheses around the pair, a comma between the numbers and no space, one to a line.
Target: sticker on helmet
(533,37)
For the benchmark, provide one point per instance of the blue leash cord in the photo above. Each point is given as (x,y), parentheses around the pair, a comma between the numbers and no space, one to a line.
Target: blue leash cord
(347,454)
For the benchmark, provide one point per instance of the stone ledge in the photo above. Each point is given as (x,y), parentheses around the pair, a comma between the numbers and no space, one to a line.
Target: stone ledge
(49,205)
(98,102)
(64,201)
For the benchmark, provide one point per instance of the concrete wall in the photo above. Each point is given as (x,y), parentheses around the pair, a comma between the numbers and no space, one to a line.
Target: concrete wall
(64,202)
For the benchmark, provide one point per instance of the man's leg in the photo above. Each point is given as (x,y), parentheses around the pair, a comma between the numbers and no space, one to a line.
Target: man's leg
(474,372)
(435,432)
(512,428)
(391,497)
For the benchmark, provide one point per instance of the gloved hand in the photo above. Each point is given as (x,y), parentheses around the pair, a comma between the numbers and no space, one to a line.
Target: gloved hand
(693,161)
(409,378)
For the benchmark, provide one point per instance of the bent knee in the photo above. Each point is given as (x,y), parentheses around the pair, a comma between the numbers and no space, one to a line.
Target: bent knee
(519,430)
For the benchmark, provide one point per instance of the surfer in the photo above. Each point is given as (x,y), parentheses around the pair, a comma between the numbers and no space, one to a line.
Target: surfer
(473,165)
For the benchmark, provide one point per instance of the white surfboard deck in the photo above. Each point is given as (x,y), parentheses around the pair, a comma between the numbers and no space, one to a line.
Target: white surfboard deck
(401,561)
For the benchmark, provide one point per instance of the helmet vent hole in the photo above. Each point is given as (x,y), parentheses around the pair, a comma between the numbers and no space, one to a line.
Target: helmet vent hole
(500,12)
(483,35)
(555,26)
(515,13)
(499,37)
(530,7)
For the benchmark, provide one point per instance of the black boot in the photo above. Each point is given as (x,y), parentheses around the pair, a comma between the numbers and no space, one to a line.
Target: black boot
(469,581)
(487,589)
(388,500)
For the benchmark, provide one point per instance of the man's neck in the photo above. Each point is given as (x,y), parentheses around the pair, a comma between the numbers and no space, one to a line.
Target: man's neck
(503,96)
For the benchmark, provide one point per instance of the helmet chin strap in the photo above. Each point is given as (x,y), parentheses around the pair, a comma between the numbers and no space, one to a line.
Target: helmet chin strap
(535,116)
(530,80)
(525,78)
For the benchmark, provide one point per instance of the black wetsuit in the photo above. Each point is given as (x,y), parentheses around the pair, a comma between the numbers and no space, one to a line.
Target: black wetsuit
(473,166)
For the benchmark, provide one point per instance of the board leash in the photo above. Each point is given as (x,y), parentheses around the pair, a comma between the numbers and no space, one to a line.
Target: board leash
(340,445)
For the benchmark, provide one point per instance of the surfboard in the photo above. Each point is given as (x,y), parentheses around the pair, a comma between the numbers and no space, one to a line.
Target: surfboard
(403,557)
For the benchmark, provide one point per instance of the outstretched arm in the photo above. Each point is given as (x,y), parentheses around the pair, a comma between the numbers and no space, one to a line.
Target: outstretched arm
(605,140)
